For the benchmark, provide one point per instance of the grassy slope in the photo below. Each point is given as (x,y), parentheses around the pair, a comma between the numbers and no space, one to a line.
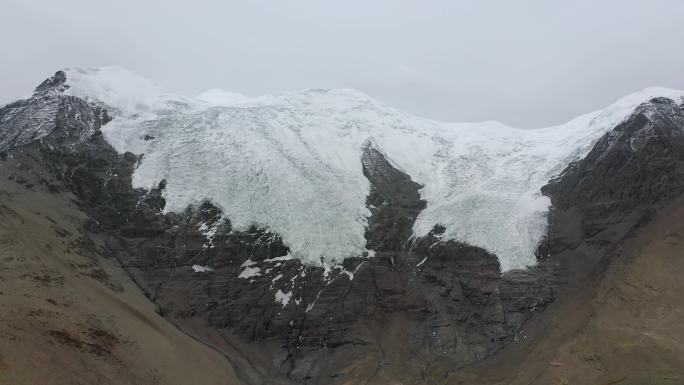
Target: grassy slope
(71,318)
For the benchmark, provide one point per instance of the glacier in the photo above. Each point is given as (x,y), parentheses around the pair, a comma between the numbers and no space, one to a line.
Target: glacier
(291,162)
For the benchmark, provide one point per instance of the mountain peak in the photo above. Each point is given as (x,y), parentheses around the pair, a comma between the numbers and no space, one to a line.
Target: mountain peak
(56,82)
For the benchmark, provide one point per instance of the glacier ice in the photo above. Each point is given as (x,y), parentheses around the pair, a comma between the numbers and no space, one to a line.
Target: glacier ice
(291,162)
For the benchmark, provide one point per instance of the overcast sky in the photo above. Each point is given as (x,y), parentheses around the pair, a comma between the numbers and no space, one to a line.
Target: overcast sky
(528,63)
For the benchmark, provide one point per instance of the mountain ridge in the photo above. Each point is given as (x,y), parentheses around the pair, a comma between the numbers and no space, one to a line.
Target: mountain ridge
(315,137)
(422,310)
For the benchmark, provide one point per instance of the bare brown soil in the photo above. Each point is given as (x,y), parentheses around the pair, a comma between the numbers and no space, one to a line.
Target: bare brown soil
(71,318)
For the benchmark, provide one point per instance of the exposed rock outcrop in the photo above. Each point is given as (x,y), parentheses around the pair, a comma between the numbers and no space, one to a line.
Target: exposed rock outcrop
(631,172)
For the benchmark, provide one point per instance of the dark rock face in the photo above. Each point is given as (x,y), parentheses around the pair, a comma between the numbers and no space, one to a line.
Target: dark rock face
(25,121)
(453,304)
(394,203)
(639,162)
(630,173)
(56,83)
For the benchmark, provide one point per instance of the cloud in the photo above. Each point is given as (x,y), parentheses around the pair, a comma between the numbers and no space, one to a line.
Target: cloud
(528,63)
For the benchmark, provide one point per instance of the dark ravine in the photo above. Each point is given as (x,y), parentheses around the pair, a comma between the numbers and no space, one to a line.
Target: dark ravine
(437,305)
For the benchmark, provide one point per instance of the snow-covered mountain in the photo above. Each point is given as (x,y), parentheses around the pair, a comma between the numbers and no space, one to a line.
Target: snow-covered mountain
(292,162)
(326,174)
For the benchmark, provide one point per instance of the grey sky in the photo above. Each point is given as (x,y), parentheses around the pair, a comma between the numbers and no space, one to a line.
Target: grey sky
(527,63)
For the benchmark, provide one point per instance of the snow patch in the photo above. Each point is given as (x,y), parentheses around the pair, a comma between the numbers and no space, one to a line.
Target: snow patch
(250,272)
(283,298)
(202,269)
(248,263)
(274,280)
(209,232)
(279,259)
